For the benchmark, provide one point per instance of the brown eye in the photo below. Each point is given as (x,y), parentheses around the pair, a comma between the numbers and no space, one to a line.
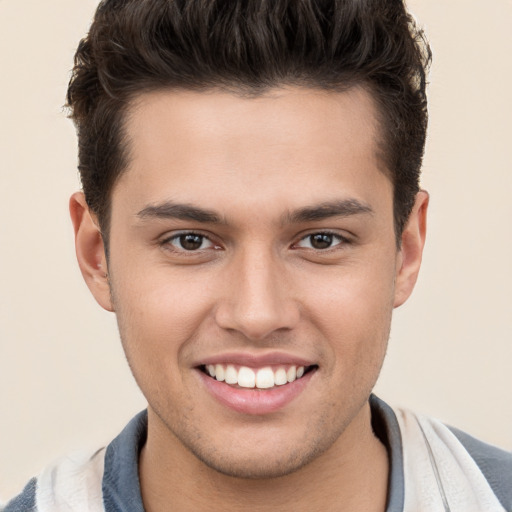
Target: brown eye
(321,241)
(190,242)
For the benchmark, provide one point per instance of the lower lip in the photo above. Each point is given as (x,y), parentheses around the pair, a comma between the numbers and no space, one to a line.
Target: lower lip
(252,400)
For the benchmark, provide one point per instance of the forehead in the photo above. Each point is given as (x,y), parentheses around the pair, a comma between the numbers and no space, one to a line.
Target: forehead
(283,116)
(283,145)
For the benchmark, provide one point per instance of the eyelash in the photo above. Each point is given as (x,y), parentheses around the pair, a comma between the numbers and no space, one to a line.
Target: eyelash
(176,237)
(341,240)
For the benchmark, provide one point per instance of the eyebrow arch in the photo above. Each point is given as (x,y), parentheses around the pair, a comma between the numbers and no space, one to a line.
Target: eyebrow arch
(181,211)
(171,210)
(341,208)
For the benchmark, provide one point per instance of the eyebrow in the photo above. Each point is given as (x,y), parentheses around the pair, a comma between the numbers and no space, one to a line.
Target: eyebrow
(170,210)
(340,208)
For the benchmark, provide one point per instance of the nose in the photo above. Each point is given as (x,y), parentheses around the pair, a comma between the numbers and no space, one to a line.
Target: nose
(258,299)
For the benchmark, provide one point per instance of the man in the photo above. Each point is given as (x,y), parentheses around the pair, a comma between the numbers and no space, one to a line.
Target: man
(252,214)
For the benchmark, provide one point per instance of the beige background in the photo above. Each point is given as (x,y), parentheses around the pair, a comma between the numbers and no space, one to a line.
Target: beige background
(63,380)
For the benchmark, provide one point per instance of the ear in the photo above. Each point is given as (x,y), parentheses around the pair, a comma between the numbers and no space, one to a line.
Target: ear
(90,250)
(411,251)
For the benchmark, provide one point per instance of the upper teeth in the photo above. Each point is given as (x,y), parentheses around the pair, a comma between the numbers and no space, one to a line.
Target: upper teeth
(262,378)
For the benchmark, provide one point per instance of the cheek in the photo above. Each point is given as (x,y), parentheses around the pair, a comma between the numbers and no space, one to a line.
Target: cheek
(158,315)
(352,309)
(160,298)
(156,326)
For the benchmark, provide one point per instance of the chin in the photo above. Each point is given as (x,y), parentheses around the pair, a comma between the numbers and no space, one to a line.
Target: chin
(258,466)
(269,457)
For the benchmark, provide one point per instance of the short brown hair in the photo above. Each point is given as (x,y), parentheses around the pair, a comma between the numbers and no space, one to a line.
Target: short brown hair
(248,46)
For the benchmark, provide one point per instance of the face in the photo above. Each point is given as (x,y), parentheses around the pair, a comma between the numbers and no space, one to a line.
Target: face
(253,271)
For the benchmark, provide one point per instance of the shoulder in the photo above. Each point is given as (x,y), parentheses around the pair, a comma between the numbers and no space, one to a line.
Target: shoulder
(461,468)
(431,463)
(494,463)
(65,484)
(99,481)
(26,501)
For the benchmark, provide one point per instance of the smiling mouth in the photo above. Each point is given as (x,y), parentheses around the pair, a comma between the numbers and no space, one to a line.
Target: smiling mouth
(267,377)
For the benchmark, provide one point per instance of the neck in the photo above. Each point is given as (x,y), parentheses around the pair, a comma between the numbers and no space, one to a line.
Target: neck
(351,475)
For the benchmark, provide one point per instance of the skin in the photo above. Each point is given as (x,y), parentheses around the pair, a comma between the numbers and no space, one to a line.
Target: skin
(255,286)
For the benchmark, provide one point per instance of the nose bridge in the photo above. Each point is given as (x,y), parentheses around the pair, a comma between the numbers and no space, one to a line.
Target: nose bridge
(259,301)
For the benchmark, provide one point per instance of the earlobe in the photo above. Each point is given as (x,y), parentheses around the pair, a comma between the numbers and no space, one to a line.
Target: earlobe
(413,241)
(90,251)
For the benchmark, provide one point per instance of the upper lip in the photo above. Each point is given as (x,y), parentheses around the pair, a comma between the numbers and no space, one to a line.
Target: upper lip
(255,360)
